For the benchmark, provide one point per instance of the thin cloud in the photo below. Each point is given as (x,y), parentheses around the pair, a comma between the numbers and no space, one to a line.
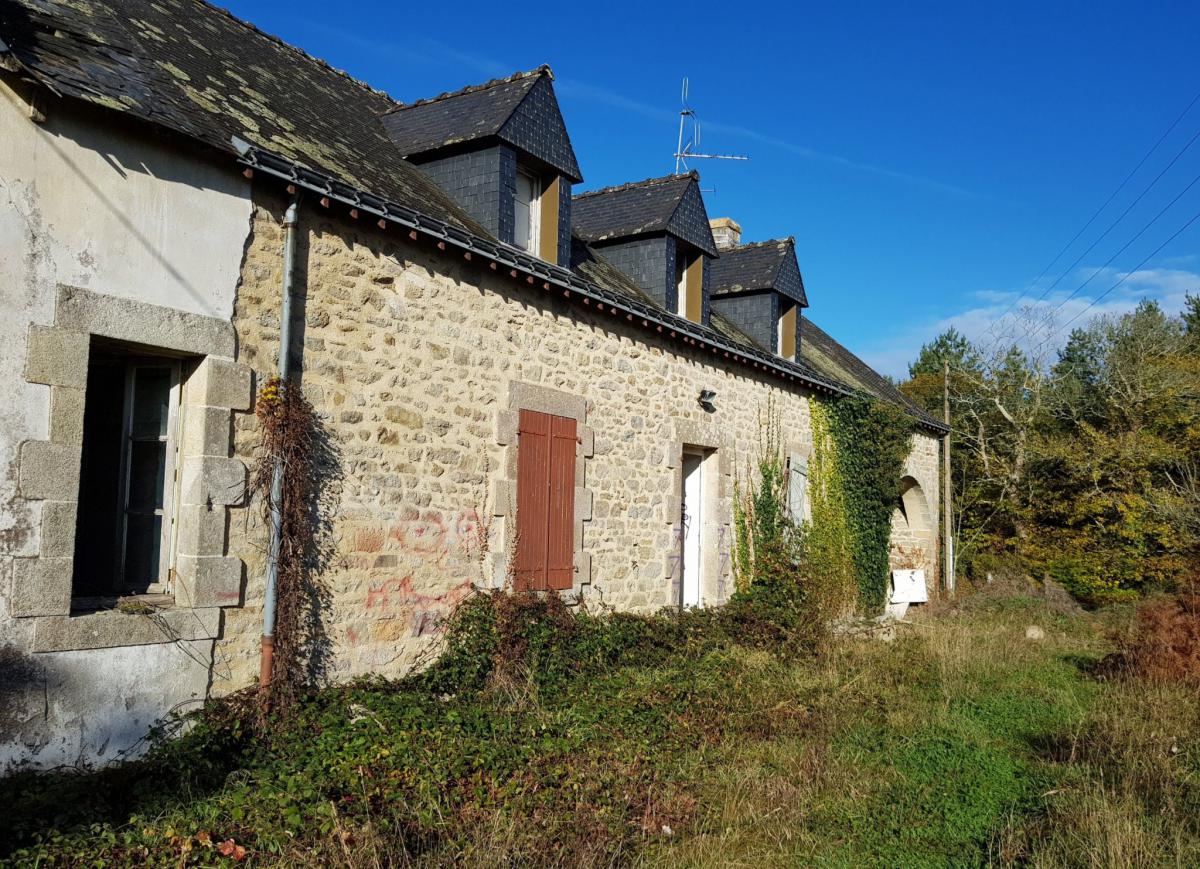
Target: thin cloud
(992,324)
(582,90)
(428,50)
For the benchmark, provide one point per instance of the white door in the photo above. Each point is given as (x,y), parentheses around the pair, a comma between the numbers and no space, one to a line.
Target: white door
(693,523)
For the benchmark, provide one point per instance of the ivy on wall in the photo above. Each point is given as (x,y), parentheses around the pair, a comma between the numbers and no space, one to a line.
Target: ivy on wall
(869,441)
(828,545)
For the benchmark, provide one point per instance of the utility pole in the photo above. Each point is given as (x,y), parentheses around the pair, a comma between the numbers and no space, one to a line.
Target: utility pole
(947,489)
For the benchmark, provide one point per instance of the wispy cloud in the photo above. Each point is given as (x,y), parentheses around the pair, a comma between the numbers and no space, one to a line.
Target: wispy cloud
(1003,318)
(426,50)
(413,50)
(593,93)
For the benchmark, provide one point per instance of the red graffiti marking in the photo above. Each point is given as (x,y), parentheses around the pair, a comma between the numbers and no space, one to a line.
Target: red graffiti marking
(399,593)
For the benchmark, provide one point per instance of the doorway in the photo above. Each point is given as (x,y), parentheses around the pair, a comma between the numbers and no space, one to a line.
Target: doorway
(692,528)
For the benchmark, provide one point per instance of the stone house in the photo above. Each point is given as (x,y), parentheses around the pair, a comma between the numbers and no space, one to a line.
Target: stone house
(518,382)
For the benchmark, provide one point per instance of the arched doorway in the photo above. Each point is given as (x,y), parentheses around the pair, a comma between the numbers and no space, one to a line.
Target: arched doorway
(913,544)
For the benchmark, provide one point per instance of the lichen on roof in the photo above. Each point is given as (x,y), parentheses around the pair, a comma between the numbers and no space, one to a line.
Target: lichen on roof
(194,68)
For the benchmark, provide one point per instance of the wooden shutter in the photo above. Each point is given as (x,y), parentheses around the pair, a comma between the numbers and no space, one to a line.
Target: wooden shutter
(560,544)
(545,502)
(797,476)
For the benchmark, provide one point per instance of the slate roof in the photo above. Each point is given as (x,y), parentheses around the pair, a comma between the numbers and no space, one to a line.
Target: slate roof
(491,109)
(823,353)
(197,70)
(192,68)
(655,205)
(764,265)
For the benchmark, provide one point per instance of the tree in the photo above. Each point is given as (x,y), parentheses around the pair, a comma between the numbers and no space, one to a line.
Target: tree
(1085,467)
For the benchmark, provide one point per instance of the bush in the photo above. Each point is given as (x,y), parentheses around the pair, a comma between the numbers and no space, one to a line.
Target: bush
(1163,644)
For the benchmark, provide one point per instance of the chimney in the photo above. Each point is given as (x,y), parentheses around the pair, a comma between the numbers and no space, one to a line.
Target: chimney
(727,233)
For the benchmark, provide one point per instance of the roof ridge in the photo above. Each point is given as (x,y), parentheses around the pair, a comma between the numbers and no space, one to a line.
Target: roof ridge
(300,51)
(788,239)
(630,185)
(544,69)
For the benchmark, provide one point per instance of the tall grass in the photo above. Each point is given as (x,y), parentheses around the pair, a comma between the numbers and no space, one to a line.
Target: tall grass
(969,740)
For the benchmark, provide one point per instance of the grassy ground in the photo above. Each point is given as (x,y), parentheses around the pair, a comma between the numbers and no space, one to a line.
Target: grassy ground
(961,743)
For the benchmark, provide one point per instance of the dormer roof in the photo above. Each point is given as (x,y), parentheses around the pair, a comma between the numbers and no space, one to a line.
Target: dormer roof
(764,265)
(520,109)
(672,204)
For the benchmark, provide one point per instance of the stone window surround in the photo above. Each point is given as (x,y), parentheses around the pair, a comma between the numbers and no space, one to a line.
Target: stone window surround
(542,399)
(211,482)
(716,545)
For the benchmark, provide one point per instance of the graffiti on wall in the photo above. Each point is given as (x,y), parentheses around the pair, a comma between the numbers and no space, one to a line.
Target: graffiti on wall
(432,550)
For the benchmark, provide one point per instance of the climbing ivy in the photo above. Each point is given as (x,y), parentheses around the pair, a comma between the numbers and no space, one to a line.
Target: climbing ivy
(828,545)
(870,441)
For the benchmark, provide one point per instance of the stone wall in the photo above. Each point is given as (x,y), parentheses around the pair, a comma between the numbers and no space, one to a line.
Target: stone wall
(417,360)
(915,528)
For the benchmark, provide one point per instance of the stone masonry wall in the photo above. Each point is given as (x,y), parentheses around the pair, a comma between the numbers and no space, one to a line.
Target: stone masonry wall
(417,361)
(411,356)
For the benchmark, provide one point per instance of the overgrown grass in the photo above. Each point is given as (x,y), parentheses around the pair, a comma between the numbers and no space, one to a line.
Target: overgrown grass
(716,739)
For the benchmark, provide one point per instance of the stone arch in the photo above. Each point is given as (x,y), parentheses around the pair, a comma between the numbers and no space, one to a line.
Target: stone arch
(914,532)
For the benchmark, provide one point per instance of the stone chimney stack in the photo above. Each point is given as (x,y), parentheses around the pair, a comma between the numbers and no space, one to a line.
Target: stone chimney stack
(727,233)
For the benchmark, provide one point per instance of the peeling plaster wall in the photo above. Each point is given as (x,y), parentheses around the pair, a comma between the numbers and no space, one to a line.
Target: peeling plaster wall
(86,203)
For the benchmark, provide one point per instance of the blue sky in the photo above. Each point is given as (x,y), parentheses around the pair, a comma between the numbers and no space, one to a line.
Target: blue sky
(930,159)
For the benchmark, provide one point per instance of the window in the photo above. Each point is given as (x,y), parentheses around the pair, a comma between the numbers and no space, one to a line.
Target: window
(797,480)
(124,528)
(527,225)
(545,546)
(787,330)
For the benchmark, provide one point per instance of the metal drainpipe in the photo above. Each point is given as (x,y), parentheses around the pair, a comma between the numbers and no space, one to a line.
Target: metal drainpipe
(290,221)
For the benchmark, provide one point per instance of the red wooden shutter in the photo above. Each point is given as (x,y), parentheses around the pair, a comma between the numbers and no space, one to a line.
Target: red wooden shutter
(560,545)
(545,502)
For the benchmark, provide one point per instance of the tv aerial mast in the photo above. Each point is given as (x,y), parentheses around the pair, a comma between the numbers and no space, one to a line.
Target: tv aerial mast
(689,150)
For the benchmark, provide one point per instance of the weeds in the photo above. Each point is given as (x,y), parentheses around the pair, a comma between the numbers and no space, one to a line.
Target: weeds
(549,736)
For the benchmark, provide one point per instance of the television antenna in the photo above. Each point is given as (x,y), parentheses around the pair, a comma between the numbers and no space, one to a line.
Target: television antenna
(688,150)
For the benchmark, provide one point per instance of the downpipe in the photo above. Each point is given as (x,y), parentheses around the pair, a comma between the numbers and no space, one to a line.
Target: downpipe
(267,660)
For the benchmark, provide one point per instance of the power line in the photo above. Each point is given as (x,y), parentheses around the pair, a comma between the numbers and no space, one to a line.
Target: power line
(1123,279)
(1121,250)
(1123,214)
(1103,206)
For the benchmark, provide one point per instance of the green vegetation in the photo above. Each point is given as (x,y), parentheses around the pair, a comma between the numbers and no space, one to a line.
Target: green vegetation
(543,736)
(1081,465)
(840,556)
(872,441)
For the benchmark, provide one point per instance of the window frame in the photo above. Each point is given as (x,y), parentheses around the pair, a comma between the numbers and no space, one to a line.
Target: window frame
(167,513)
(534,226)
(797,486)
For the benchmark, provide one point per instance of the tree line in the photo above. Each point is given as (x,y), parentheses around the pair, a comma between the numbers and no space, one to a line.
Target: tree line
(1082,464)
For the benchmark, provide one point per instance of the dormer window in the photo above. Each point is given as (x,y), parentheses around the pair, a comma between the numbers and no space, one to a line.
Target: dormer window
(501,151)
(655,232)
(758,288)
(527,212)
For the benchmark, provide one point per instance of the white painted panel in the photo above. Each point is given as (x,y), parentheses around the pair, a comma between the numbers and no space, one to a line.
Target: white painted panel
(908,586)
(693,524)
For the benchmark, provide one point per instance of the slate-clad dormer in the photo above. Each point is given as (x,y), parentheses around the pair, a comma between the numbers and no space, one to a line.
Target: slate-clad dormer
(656,232)
(502,152)
(758,287)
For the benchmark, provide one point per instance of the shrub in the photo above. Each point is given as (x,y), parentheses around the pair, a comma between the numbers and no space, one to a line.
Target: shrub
(1163,644)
